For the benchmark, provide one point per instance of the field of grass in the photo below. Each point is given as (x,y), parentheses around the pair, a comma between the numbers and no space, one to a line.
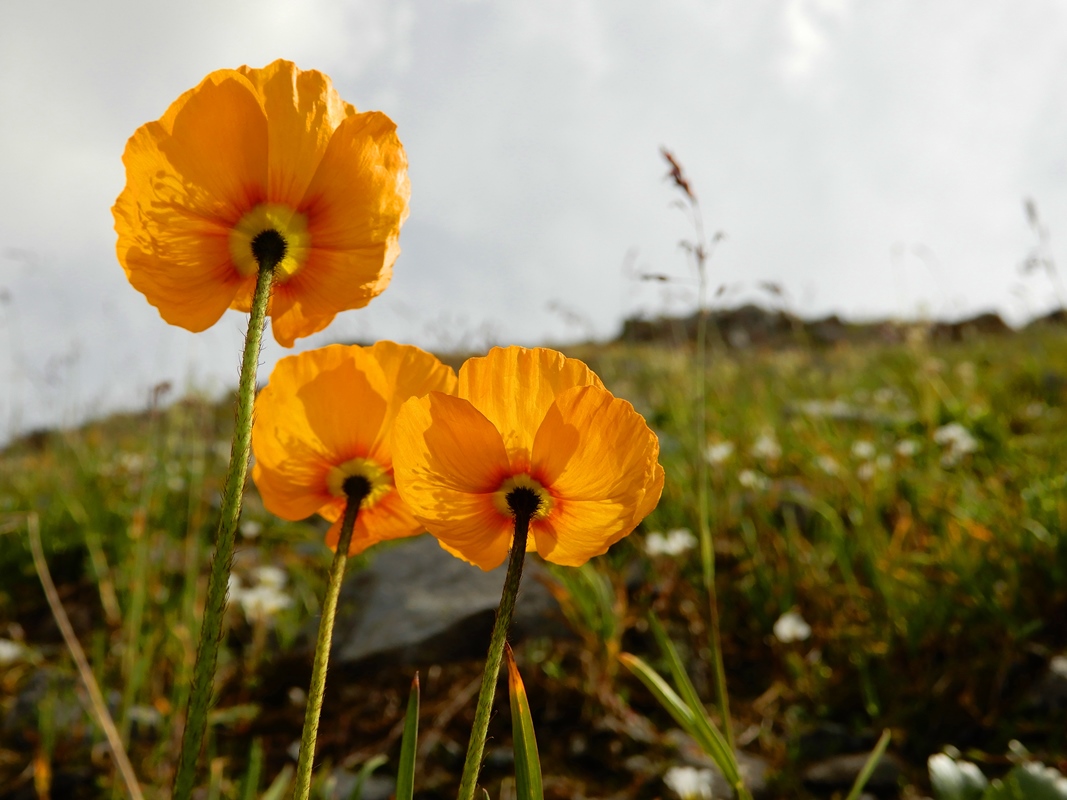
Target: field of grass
(906,501)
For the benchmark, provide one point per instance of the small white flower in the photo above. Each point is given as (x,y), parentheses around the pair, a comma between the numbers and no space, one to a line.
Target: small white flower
(176,483)
(690,783)
(956,440)
(791,627)
(250,529)
(956,436)
(269,575)
(672,543)
(751,479)
(885,395)
(828,464)
(11,652)
(907,448)
(866,471)
(863,449)
(261,603)
(1034,410)
(146,716)
(718,452)
(766,447)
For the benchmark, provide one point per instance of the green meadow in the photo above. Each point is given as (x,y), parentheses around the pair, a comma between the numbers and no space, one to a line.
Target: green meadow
(889,522)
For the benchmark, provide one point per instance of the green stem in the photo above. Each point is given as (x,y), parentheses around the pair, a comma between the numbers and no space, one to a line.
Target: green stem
(472,766)
(211,628)
(317,689)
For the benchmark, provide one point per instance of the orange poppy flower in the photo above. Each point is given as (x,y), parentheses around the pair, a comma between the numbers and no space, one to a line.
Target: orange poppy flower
(326,417)
(254,150)
(533,425)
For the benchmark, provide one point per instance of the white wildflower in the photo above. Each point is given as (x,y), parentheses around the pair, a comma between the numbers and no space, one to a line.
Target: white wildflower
(717,452)
(907,448)
(956,440)
(828,464)
(766,447)
(863,449)
(269,575)
(11,652)
(145,716)
(885,395)
(262,603)
(1034,410)
(672,543)
(250,529)
(791,627)
(751,479)
(690,783)
(866,471)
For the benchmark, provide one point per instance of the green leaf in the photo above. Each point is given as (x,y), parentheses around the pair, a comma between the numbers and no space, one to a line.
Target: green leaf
(695,724)
(527,763)
(280,785)
(365,772)
(405,776)
(717,747)
(955,780)
(870,765)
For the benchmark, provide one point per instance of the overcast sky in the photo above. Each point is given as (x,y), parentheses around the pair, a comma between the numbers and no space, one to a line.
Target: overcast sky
(870,157)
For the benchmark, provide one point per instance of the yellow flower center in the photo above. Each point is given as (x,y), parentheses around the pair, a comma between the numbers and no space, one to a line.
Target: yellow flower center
(247,239)
(379,480)
(507,495)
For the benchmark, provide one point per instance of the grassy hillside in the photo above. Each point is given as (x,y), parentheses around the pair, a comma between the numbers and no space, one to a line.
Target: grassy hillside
(907,501)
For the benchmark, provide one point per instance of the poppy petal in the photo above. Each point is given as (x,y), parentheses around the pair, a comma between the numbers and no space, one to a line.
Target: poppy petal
(190,176)
(514,388)
(599,459)
(448,459)
(304,110)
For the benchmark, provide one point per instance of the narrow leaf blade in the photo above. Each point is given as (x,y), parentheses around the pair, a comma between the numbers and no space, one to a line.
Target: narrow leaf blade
(405,777)
(527,763)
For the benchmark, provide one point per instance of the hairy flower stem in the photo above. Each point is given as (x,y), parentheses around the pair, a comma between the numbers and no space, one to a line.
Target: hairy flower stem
(218,583)
(317,690)
(472,766)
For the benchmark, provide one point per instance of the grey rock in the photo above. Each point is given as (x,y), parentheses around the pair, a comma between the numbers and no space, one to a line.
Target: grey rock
(417,604)
(342,784)
(841,771)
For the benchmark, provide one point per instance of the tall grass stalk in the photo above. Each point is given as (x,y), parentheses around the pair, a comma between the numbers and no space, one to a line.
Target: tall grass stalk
(699,250)
(232,494)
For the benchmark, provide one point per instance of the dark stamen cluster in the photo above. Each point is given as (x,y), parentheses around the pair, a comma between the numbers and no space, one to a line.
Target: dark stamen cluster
(523,501)
(268,247)
(356,487)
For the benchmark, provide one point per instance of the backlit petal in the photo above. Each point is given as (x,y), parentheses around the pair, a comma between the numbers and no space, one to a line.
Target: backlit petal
(514,388)
(448,459)
(304,111)
(599,460)
(190,176)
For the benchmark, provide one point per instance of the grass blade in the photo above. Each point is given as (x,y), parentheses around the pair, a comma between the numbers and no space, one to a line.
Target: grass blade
(696,725)
(720,749)
(869,767)
(527,763)
(280,785)
(405,777)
